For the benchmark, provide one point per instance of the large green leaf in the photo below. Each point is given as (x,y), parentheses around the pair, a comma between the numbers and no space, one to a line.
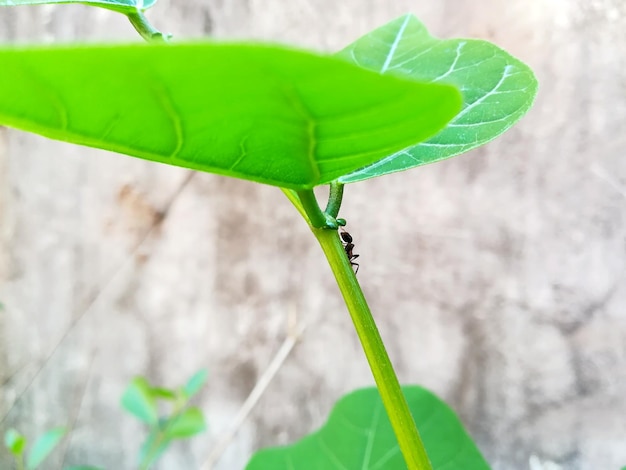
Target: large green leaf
(268,114)
(497,88)
(123,6)
(358,435)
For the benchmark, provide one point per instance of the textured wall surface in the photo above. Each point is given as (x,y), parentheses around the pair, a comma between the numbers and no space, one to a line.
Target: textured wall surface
(498,278)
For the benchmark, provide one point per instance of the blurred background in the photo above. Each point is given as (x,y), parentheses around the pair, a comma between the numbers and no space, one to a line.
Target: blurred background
(498,278)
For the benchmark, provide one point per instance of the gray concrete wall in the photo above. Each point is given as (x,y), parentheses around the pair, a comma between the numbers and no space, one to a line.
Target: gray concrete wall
(498,278)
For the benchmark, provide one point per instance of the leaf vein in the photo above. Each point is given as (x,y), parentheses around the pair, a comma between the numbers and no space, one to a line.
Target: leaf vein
(311,126)
(481,123)
(454,62)
(166,101)
(243,154)
(331,455)
(412,58)
(394,46)
(386,457)
(491,92)
(371,435)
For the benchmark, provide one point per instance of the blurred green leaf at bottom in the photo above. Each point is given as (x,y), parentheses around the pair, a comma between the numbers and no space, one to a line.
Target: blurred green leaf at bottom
(358,435)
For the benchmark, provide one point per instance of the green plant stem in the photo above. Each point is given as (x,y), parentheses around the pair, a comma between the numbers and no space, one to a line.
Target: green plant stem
(317,218)
(145,29)
(161,434)
(153,450)
(393,399)
(19,462)
(334,199)
(147,461)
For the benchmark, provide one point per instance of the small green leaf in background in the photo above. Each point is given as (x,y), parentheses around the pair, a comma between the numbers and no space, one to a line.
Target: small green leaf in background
(497,88)
(358,434)
(264,113)
(43,446)
(122,6)
(163,393)
(189,423)
(139,401)
(15,442)
(195,383)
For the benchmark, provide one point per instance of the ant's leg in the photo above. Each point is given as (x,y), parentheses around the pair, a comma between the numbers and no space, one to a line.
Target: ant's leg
(352,263)
(356,271)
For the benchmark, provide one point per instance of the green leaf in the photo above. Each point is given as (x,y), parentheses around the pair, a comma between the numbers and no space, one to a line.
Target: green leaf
(163,393)
(264,113)
(122,6)
(497,88)
(139,401)
(14,441)
(43,446)
(189,423)
(195,383)
(358,434)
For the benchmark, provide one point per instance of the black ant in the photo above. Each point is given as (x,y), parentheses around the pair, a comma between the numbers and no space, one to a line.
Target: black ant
(349,246)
